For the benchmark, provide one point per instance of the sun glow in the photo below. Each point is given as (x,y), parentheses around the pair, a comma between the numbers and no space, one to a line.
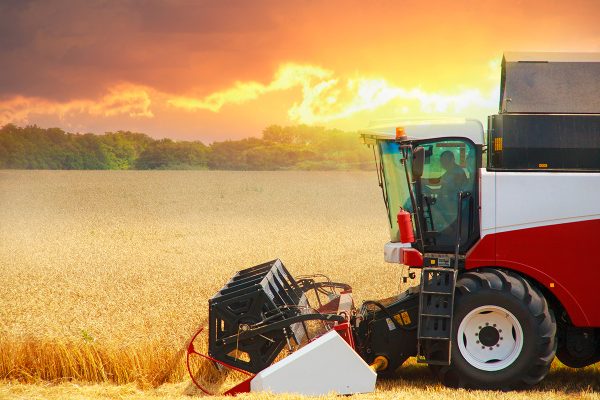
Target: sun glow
(324,97)
(327,98)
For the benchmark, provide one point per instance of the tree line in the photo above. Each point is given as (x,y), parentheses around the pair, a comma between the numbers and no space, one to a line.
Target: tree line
(279,148)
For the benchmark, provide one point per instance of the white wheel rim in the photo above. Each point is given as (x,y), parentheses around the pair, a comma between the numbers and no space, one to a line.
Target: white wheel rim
(490,338)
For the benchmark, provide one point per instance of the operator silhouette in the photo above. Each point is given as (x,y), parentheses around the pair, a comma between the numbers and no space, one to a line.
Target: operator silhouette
(454,179)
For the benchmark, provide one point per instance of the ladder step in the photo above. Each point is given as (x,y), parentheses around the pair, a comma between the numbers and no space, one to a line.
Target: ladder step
(438,293)
(436,310)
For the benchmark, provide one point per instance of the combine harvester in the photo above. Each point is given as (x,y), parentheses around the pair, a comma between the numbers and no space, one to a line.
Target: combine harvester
(504,236)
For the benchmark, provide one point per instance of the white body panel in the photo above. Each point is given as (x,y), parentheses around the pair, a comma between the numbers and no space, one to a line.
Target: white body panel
(392,252)
(326,365)
(519,200)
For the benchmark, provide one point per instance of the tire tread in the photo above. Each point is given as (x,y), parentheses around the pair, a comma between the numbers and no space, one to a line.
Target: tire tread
(518,287)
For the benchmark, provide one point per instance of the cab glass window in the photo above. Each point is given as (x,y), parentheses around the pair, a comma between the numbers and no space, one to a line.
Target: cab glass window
(449,168)
(395,183)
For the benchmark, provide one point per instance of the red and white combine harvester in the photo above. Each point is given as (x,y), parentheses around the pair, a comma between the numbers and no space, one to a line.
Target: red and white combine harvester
(504,234)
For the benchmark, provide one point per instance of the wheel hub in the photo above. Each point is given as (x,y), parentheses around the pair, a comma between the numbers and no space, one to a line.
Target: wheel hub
(490,338)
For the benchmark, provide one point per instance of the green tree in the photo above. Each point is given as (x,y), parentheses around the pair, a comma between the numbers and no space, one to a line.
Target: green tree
(167,154)
(280,147)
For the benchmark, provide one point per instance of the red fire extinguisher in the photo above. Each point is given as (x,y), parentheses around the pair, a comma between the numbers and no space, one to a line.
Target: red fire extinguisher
(405,226)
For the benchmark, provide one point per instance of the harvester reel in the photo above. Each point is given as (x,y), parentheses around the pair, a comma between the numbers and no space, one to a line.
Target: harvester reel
(219,365)
(262,310)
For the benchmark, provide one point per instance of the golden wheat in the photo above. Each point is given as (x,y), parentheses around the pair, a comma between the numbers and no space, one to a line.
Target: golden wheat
(105,275)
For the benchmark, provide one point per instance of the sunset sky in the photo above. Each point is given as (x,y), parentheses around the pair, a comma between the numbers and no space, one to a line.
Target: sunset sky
(210,71)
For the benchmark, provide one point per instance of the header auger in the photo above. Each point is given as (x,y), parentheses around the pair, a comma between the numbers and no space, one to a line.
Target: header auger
(502,227)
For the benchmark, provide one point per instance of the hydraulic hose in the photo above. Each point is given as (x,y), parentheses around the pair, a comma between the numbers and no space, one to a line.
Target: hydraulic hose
(388,314)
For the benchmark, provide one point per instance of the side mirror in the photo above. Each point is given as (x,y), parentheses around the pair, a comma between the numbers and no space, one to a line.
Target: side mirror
(418,162)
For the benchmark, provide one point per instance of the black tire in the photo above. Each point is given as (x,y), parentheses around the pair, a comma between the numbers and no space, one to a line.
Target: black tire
(565,357)
(513,293)
(577,347)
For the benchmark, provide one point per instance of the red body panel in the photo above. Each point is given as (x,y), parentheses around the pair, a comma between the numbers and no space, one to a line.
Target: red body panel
(412,257)
(561,257)
(242,387)
(345,331)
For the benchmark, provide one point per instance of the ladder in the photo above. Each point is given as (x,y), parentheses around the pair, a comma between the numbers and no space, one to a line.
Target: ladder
(436,307)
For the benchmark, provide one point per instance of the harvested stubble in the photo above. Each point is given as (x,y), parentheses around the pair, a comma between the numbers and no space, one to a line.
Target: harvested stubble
(105,275)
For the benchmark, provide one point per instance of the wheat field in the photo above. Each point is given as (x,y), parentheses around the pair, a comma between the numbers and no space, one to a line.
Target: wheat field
(106,274)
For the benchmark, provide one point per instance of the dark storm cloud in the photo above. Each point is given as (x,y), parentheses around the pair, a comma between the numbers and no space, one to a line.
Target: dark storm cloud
(65,49)
(11,34)
(203,17)
(38,38)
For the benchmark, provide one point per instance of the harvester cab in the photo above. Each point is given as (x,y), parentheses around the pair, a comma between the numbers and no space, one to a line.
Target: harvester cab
(428,169)
(497,232)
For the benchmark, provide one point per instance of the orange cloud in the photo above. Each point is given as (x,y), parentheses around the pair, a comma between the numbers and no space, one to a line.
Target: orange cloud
(288,76)
(324,97)
(327,98)
(124,99)
(214,70)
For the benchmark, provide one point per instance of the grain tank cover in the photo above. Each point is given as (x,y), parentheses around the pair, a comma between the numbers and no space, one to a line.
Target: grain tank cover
(550,83)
